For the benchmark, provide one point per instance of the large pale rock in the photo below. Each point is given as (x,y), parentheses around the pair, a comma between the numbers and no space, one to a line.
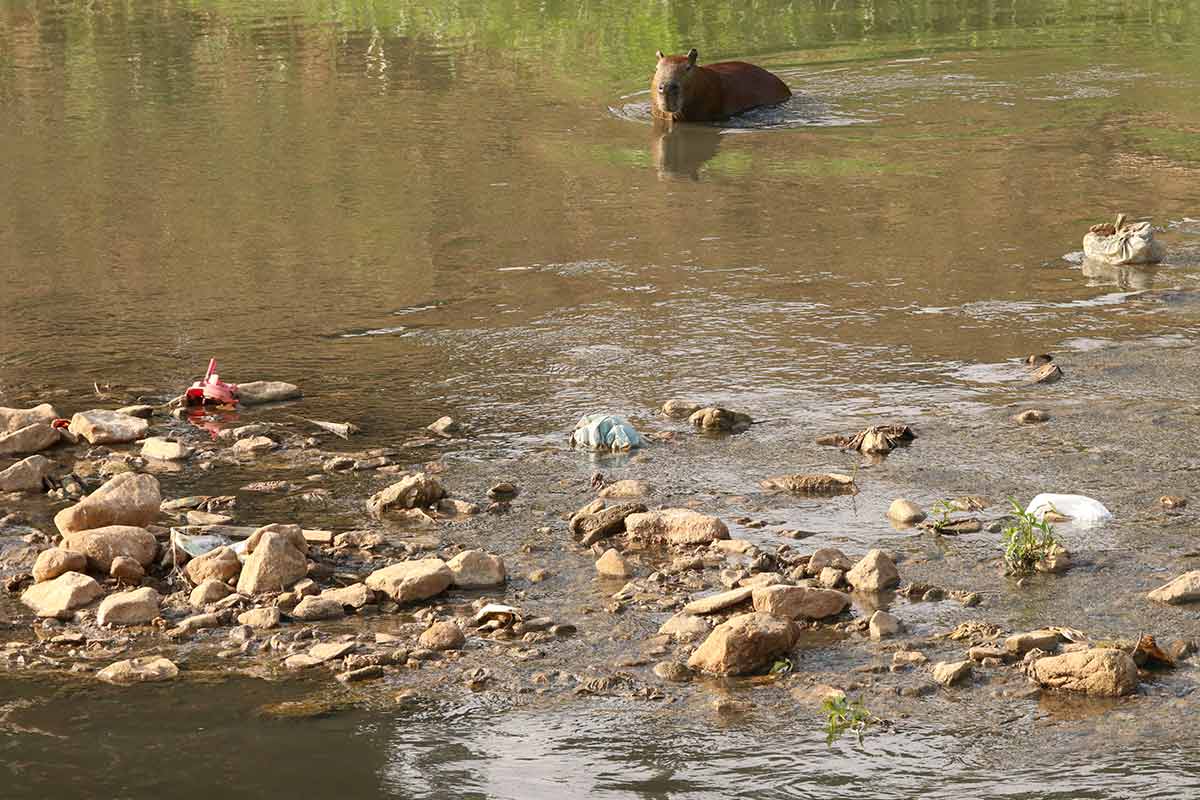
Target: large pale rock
(139,670)
(411,581)
(254,445)
(800,602)
(208,591)
(12,419)
(905,512)
(743,644)
(293,533)
(263,618)
(55,561)
(108,427)
(874,573)
(442,636)
(354,596)
(258,392)
(1103,672)
(613,565)
(274,565)
(102,545)
(221,565)
(126,570)
(680,409)
(677,526)
(948,673)
(128,499)
(414,491)
(827,557)
(624,489)
(882,625)
(61,596)
(30,439)
(475,569)
(165,449)
(26,476)
(1184,589)
(685,627)
(1021,643)
(136,607)
(719,602)
(311,609)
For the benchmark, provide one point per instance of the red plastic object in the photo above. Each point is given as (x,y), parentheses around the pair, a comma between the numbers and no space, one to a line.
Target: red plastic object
(211,390)
(60,424)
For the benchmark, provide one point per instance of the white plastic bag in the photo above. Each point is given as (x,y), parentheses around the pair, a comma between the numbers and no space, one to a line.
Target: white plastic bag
(1082,510)
(1122,243)
(605,432)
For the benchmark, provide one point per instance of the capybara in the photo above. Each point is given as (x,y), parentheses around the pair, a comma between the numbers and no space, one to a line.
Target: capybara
(683,91)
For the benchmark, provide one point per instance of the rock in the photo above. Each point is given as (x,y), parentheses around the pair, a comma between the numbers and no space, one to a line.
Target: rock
(108,427)
(684,627)
(135,607)
(165,449)
(874,573)
(263,618)
(904,659)
(1032,416)
(1047,373)
(620,490)
(981,653)
(254,445)
(361,674)
(415,491)
(817,695)
(719,602)
(442,636)
(30,439)
(720,419)
(677,526)
(680,409)
(1022,643)
(62,595)
(591,524)
(259,392)
(883,625)
(209,590)
(412,581)
(457,508)
(102,545)
(827,557)
(948,673)
(613,565)
(831,577)
(504,490)
(826,484)
(355,596)
(221,565)
(743,644)
(197,622)
(28,475)
(148,669)
(1184,589)
(126,569)
(1103,672)
(672,671)
(761,579)
(475,569)
(300,661)
(56,561)
(331,651)
(796,602)
(1057,561)
(905,512)
(311,609)
(128,499)
(274,565)
(138,410)
(445,426)
(293,533)
(1172,501)
(12,419)
(207,518)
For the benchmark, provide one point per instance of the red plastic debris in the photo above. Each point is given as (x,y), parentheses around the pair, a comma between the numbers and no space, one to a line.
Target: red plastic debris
(212,390)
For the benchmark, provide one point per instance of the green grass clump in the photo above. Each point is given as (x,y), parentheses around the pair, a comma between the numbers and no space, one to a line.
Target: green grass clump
(1027,540)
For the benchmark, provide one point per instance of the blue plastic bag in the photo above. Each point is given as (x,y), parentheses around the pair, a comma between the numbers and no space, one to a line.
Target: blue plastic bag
(605,432)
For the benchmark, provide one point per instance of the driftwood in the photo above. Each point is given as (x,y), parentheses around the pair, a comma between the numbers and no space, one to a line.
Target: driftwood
(828,484)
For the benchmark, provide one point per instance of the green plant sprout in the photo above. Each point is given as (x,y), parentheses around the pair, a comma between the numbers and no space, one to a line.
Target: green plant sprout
(1027,540)
(845,715)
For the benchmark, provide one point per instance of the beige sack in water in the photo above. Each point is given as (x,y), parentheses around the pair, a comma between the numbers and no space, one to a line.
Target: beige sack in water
(1122,243)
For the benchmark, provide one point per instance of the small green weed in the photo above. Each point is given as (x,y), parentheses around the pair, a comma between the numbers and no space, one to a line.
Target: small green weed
(845,715)
(1027,540)
(943,509)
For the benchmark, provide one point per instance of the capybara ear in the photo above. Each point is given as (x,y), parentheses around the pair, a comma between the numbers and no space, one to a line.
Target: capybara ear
(692,56)
(659,54)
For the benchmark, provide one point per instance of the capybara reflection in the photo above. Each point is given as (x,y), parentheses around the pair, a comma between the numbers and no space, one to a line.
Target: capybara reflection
(683,91)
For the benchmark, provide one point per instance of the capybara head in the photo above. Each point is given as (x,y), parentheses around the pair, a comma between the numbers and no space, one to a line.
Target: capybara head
(669,85)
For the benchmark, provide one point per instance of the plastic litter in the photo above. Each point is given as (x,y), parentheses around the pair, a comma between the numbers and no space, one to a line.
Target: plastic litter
(1082,510)
(1122,242)
(605,432)
(212,390)
(196,545)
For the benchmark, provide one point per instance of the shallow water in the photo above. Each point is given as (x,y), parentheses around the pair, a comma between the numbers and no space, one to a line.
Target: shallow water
(412,209)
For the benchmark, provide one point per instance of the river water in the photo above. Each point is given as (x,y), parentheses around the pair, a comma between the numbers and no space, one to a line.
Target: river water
(419,208)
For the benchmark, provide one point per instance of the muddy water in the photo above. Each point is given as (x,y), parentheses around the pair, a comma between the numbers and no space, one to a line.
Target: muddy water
(413,209)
